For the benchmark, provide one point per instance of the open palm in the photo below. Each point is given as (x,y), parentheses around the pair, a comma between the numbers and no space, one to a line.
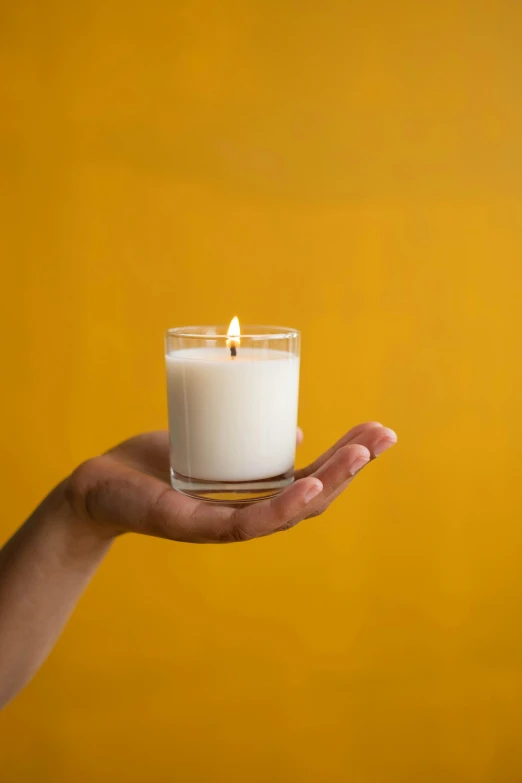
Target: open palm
(128,490)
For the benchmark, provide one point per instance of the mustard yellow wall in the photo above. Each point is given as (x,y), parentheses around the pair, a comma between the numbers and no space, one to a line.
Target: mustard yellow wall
(350,168)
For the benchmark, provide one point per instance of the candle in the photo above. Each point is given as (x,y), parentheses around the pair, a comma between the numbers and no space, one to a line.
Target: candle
(232,404)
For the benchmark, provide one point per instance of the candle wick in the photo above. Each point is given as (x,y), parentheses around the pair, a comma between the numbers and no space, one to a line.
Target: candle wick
(233,351)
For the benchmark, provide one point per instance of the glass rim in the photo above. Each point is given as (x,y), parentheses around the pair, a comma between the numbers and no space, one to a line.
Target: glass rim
(219,332)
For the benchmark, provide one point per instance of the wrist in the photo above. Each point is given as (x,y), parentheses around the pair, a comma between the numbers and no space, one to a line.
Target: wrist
(75,536)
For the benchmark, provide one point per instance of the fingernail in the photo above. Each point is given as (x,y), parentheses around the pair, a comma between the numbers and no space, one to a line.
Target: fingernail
(312,493)
(389,440)
(359,463)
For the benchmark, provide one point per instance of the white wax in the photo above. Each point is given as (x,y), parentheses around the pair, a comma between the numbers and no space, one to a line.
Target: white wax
(232,419)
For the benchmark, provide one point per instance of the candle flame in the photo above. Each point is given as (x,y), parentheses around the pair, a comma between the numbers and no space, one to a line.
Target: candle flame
(233,334)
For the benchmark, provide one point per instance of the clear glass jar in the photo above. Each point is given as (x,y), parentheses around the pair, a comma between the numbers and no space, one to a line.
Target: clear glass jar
(232,410)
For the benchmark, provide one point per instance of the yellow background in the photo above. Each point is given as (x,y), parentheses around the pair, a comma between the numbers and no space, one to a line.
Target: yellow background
(350,168)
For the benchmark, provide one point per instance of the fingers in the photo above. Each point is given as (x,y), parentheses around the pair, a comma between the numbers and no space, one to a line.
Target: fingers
(342,467)
(375,441)
(339,471)
(300,500)
(261,519)
(335,475)
(352,436)
(299,436)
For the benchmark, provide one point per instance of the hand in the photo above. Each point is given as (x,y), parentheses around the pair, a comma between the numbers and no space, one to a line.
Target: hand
(128,490)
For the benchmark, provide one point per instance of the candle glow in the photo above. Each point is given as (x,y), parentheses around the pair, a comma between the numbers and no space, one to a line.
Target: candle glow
(233,336)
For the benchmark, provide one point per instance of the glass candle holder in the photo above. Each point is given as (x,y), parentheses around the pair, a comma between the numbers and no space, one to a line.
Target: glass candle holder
(232,405)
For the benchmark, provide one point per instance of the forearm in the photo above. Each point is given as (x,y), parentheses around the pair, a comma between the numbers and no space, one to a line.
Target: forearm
(44,569)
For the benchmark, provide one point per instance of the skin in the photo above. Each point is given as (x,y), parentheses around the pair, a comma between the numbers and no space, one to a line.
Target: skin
(48,563)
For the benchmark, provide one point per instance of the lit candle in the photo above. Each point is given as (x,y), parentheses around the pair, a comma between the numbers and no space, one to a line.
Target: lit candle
(233,336)
(232,403)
